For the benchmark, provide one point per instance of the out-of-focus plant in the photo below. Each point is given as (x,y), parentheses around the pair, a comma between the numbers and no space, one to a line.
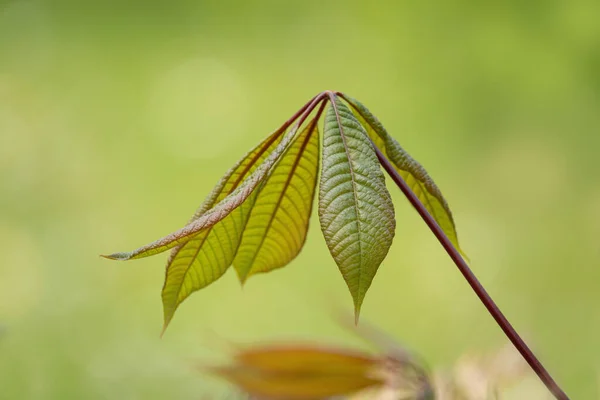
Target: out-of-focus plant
(256,218)
(311,371)
(291,371)
(482,376)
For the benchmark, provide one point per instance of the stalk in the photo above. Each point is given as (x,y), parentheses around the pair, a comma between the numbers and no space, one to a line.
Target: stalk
(477,287)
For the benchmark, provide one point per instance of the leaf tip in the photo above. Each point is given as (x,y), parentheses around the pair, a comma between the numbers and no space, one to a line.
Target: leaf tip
(165,325)
(117,256)
(242,277)
(356,315)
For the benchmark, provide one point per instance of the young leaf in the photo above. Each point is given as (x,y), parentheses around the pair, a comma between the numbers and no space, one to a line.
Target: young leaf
(276,230)
(355,208)
(217,213)
(409,169)
(240,171)
(206,257)
(190,269)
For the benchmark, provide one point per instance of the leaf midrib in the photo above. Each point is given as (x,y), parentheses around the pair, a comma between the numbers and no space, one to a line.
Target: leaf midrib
(354,190)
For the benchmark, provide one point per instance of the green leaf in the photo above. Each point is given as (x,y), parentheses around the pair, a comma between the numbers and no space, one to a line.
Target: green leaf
(276,230)
(409,169)
(355,208)
(205,248)
(207,256)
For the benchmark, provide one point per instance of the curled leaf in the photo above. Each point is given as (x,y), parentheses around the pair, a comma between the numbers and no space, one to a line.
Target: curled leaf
(276,230)
(216,213)
(355,208)
(409,169)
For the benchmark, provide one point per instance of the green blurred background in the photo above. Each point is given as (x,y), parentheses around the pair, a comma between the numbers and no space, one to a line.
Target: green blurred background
(117,118)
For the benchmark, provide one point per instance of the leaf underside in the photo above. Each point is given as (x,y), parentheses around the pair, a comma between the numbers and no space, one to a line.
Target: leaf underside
(189,268)
(409,169)
(205,258)
(355,208)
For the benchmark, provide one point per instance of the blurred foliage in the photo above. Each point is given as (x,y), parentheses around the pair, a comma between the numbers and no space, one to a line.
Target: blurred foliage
(117,118)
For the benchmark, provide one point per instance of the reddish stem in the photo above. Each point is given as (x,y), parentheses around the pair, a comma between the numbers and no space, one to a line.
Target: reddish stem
(483,295)
(454,254)
(305,111)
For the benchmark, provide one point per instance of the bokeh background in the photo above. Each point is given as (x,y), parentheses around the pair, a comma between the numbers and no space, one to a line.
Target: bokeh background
(118,117)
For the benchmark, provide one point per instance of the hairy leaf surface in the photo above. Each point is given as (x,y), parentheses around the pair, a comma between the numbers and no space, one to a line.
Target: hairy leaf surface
(409,169)
(217,213)
(355,208)
(276,230)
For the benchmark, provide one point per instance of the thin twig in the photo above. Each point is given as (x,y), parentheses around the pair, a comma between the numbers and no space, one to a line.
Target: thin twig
(485,298)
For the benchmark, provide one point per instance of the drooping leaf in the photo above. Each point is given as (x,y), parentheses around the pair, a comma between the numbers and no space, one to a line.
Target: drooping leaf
(205,257)
(207,245)
(301,372)
(240,171)
(216,213)
(276,230)
(409,169)
(355,208)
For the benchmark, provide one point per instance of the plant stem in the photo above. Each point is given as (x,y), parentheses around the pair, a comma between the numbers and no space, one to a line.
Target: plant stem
(485,298)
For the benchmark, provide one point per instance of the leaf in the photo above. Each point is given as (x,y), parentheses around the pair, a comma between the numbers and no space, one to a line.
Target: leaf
(241,170)
(217,213)
(409,169)
(207,256)
(276,230)
(206,246)
(301,372)
(355,208)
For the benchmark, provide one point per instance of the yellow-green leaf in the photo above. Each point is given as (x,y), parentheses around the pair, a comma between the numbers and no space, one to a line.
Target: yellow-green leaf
(276,230)
(206,246)
(409,169)
(208,255)
(355,208)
